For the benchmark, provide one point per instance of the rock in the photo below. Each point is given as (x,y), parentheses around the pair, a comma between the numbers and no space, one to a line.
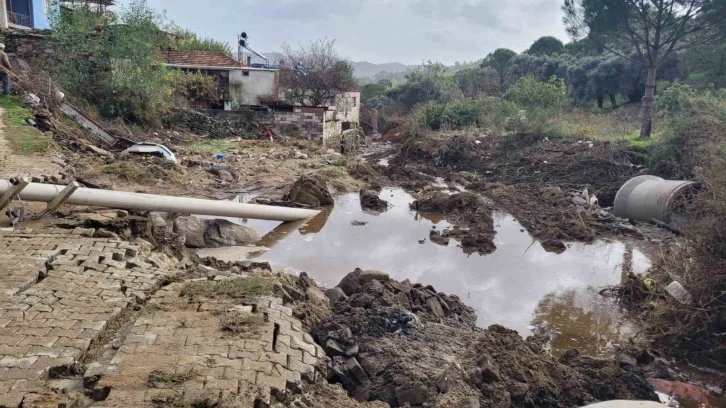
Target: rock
(411,395)
(367,276)
(226,176)
(438,239)
(220,233)
(357,223)
(372,365)
(192,228)
(335,295)
(311,191)
(370,201)
(333,348)
(579,201)
(374,287)
(354,368)
(402,300)
(157,220)
(435,307)
(299,155)
(208,271)
(554,245)
(218,168)
(353,350)
(350,283)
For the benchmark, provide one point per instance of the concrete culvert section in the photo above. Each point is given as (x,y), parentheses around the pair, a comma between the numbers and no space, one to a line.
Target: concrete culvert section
(644,198)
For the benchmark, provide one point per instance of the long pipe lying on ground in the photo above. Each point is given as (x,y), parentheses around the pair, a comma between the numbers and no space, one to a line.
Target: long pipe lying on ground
(151,202)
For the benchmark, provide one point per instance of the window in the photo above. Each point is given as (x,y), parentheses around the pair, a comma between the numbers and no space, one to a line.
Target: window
(245,73)
(355,101)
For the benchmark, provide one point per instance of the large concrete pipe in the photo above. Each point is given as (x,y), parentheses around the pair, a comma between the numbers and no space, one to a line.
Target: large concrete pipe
(151,202)
(644,198)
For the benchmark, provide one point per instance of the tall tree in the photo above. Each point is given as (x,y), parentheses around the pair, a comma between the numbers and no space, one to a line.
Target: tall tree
(655,28)
(546,46)
(315,74)
(499,60)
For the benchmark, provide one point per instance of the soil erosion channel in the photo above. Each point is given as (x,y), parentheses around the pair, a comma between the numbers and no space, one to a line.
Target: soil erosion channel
(520,285)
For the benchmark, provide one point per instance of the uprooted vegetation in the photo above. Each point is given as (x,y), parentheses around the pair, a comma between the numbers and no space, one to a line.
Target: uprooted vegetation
(693,148)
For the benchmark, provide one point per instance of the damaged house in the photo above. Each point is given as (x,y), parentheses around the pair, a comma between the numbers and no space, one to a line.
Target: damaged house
(258,89)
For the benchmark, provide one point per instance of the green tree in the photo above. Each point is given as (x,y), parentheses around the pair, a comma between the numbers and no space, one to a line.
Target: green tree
(655,28)
(546,46)
(499,60)
(426,83)
(185,39)
(473,82)
(114,61)
(369,92)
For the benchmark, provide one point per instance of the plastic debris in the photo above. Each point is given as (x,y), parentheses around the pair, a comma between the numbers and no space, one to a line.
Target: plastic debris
(152,149)
(677,290)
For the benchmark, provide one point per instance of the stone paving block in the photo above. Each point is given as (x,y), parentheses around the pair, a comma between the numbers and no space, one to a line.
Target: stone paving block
(20,362)
(11,399)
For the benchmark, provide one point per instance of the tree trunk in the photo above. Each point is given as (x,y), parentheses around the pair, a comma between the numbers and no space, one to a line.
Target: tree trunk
(613,101)
(647,124)
(600,100)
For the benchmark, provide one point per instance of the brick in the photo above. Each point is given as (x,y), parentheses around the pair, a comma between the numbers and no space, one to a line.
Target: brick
(11,399)
(275,382)
(297,365)
(147,339)
(20,362)
(289,375)
(222,351)
(39,341)
(24,374)
(261,366)
(301,345)
(45,351)
(68,333)
(29,331)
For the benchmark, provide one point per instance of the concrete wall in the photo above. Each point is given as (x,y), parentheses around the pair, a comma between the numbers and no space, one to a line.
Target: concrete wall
(249,89)
(303,125)
(348,107)
(332,131)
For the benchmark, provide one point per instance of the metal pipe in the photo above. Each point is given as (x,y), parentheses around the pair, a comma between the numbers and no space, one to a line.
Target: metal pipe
(151,202)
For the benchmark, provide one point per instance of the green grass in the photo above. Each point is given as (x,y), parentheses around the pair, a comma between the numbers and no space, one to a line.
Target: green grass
(23,138)
(240,289)
(210,147)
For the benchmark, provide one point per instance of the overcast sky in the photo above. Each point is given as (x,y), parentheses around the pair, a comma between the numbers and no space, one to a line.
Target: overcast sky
(407,31)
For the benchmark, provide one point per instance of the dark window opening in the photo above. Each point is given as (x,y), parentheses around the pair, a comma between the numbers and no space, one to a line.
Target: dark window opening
(245,73)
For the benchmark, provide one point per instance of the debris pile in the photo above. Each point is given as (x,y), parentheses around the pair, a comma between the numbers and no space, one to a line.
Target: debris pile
(471,215)
(403,343)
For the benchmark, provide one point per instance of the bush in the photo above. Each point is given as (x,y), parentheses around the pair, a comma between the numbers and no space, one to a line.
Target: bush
(487,112)
(542,101)
(114,61)
(193,86)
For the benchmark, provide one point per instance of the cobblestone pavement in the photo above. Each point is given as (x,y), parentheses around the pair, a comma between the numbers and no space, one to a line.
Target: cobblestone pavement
(59,290)
(187,343)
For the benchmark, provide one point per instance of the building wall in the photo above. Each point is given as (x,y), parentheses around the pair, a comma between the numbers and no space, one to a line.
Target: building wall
(348,107)
(33,46)
(332,133)
(249,89)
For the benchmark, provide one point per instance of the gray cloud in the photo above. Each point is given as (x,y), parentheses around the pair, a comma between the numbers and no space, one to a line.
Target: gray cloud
(408,31)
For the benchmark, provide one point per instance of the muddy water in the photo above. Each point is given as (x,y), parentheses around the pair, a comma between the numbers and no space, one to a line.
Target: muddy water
(520,286)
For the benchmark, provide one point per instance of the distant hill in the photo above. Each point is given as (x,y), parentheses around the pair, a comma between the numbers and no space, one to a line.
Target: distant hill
(368,69)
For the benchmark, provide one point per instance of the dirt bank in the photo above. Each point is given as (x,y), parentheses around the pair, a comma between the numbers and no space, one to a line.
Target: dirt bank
(406,344)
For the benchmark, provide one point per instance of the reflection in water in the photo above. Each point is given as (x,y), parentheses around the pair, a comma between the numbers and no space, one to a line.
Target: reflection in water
(582,320)
(518,286)
(317,223)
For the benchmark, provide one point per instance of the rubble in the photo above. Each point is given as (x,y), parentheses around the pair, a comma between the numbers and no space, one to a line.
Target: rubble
(369,200)
(310,191)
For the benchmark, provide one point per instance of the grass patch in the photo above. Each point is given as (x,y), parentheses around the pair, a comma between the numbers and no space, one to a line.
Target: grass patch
(23,138)
(164,379)
(333,172)
(210,147)
(238,322)
(616,124)
(239,289)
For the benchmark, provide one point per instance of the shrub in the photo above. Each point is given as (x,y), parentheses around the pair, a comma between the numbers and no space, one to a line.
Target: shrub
(542,101)
(193,86)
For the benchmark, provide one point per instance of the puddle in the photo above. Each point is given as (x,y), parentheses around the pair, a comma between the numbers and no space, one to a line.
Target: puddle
(520,286)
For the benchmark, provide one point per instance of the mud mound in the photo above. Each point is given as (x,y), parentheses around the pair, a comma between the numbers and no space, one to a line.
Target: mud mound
(472,217)
(309,191)
(369,200)
(389,342)
(603,166)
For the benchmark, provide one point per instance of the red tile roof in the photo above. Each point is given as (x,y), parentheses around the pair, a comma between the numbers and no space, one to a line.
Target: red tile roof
(199,59)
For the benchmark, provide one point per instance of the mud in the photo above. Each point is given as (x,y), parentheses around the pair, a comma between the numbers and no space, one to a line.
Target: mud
(471,215)
(370,201)
(406,344)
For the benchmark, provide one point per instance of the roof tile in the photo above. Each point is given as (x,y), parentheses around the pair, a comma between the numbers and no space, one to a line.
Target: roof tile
(199,59)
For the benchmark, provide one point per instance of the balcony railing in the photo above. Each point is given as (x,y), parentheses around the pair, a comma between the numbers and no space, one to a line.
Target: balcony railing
(19,19)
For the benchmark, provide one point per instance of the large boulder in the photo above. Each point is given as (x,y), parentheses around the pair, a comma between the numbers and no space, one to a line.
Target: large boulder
(350,283)
(310,191)
(220,233)
(192,228)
